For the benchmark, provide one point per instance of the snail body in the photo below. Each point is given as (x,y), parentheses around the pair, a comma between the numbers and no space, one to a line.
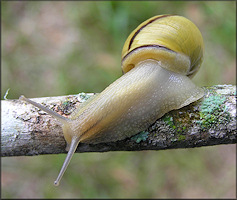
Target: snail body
(158,60)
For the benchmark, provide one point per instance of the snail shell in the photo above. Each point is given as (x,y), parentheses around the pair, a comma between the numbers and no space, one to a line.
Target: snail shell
(173,40)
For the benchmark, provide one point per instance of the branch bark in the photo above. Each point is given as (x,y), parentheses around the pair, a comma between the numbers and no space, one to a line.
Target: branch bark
(28,131)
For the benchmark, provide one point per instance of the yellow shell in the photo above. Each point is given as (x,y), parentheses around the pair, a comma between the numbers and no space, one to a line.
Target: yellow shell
(173,40)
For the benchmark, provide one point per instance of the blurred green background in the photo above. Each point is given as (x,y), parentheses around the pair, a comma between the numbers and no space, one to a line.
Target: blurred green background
(59,48)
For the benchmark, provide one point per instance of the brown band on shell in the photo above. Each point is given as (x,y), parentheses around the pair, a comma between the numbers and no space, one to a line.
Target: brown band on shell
(132,39)
(145,46)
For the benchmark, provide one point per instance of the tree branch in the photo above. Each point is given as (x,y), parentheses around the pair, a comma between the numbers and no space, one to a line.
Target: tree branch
(28,131)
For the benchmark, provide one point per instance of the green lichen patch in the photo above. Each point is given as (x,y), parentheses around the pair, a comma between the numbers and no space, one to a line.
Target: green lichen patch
(84,96)
(181,137)
(66,103)
(142,136)
(178,125)
(169,120)
(67,107)
(213,110)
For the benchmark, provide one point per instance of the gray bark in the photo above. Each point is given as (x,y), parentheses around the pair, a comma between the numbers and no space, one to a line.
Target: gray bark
(28,131)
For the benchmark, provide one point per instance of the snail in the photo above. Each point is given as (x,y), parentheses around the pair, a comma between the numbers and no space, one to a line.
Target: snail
(159,58)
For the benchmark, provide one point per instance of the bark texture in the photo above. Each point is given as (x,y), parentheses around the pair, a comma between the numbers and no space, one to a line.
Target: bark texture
(28,131)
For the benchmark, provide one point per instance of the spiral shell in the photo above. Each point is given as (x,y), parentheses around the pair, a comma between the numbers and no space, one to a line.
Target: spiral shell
(173,40)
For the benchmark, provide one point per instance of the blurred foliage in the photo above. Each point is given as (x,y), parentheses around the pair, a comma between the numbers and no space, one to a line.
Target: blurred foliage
(51,49)
(58,48)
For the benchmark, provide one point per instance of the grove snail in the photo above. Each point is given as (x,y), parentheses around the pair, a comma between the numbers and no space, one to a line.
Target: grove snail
(158,59)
